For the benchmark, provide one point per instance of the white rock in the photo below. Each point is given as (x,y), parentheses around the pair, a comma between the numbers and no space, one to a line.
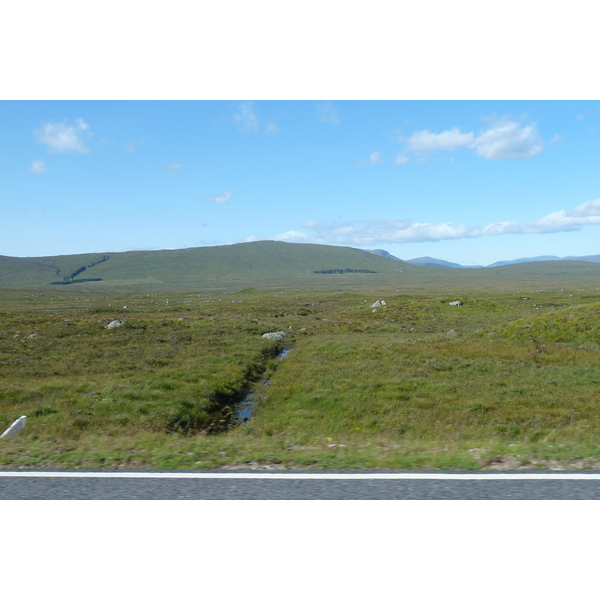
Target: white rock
(276,336)
(114,324)
(15,428)
(378,303)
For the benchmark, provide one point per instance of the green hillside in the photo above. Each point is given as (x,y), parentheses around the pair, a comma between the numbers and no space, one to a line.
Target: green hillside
(270,264)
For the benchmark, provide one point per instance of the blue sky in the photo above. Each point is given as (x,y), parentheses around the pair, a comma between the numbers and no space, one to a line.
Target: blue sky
(467,181)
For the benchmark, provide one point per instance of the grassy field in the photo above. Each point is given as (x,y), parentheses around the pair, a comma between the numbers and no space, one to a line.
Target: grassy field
(509,379)
(276,265)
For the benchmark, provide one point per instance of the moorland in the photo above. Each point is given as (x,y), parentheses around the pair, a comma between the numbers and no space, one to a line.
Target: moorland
(510,378)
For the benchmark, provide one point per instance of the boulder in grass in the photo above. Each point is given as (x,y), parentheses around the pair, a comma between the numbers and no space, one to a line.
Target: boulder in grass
(15,428)
(276,336)
(114,324)
(455,303)
(378,303)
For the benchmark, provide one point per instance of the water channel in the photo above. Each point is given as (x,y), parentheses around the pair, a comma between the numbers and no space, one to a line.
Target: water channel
(245,410)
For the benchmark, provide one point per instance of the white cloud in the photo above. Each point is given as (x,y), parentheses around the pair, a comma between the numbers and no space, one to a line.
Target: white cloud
(173,169)
(499,228)
(221,198)
(369,233)
(587,209)
(327,112)
(504,140)
(587,213)
(507,141)
(425,142)
(375,158)
(272,127)
(245,117)
(63,137)
(37,166)
(298,236)
(246,120)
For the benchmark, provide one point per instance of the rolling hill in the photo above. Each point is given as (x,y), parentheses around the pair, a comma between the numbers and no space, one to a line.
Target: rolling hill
(270,264)
(428,261)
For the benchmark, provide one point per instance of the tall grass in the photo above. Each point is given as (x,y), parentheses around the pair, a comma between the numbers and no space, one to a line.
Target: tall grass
(415,384)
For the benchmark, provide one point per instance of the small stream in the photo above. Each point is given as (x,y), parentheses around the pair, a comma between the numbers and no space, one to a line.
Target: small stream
(244,411)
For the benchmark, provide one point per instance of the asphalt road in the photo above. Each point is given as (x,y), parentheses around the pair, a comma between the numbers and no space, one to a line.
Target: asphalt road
(80,485)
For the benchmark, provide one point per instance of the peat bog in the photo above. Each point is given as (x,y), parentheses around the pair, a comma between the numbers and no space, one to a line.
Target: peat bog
(509,379)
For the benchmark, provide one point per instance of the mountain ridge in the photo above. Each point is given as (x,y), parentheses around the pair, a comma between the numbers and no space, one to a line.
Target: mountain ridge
(428,261)
(274,265)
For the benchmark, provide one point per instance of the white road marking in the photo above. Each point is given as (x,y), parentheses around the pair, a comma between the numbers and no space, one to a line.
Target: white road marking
(326,476)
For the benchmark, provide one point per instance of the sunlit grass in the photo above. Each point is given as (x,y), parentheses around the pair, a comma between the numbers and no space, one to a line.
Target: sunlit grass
(416,384)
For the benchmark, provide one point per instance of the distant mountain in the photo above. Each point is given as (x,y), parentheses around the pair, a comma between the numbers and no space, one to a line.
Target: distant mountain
(264,264)
(589,258)
(427,261)
(277,265)
(385,254)
(516,261)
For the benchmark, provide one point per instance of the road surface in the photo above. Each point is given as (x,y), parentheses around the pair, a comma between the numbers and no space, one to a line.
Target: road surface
(236,485)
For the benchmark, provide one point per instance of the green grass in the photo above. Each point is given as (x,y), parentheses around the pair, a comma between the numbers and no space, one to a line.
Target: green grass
(508,379)
(276,265)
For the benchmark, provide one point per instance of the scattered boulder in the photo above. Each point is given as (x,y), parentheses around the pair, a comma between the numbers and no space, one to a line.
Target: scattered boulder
(378,303)
(276,336)
(114,324)
(455,303)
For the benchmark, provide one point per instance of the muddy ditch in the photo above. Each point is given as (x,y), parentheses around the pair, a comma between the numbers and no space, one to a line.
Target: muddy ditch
(233,406)
(245,410)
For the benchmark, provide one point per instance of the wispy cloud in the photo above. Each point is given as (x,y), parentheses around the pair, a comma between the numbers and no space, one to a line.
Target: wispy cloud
(508,140)
(425,142)
(368,233)
(245,118)
(327,112)
(37,166)
(587,213)
(173,169)
(375,158)
(63,137)
(503,140)
(272,127)
(221,198)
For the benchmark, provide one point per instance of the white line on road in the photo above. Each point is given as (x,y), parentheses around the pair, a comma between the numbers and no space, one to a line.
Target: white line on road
(263,475)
